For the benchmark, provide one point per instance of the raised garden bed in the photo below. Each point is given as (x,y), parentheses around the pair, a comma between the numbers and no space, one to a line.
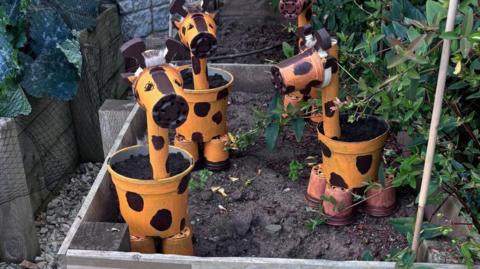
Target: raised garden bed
(265,214)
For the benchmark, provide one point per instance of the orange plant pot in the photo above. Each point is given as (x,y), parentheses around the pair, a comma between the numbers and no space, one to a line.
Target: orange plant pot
(381,201)
(350,164)
(142,244)
(339,213)
(316,186)
(150,207)
(208,109)
(180,244)
(216,156)
(190,146)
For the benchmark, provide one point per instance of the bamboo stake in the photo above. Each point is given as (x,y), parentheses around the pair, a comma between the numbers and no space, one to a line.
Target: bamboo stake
(437,112)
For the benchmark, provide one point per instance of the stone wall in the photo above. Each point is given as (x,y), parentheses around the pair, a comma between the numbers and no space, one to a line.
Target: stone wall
(139,18)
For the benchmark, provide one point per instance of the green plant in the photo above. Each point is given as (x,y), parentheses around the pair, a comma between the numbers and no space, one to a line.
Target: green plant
(40,53)
(200,183)
(470,251)
(312,224)
(294,170)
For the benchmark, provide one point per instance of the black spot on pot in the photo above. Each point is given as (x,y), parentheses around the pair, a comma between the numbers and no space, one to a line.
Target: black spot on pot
(302,69)
(328,109)
(197,68)
(222,94)
(197,137)
(217,118)
(289,89)
(135,201)
(364,163)
(158,142)
(162,220)
(201,109)
(182,224)
(326,151)
(313,84)
(182,187)
(337,181)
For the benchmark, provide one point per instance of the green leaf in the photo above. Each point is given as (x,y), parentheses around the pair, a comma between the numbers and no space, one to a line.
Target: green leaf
(449,35)
(7,59)
(435,12)
(47,29)
(298,126)
(50,75)
(12,9)
(13,101)
(288,50)
(71,50)
(400,30)
(367,256)
(468,22)
(271,134)
(474,37)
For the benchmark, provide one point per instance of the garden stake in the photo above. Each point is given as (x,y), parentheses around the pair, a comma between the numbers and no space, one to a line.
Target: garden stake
(437,113)
(197,31)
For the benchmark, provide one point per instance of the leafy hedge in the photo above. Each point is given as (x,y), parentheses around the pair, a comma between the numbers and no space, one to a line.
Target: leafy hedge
(39,50)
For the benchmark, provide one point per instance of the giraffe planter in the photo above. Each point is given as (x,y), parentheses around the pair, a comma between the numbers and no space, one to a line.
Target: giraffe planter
(206,89)
(152,181)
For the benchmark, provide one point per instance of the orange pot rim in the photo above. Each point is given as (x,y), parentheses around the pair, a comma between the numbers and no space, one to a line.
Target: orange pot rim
(152,182)
(335,145)
(212,90)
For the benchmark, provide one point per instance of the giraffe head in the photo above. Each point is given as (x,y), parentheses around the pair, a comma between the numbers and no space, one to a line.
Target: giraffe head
(155,84)
(197,29)
(291,9)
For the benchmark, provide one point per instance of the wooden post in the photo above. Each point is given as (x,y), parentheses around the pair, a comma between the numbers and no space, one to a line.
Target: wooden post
(18,238)
(331,119)
(437,113)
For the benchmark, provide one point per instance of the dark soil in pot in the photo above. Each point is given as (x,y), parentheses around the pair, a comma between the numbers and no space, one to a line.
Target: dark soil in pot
(214,81)
(138,167)
(363,129)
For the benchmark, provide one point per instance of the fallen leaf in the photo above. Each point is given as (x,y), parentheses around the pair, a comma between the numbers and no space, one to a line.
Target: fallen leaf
(311,158)
(215,188)
(222,192)
(458,68)
(259,171)
(222,208)
(311,164)
(248,182)
(115,230)
(233,179)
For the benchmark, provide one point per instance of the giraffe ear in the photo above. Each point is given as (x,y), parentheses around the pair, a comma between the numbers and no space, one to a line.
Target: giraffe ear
(177,24)
(175,48)
(132,52)
(324,41)
(129,78)
(176,7)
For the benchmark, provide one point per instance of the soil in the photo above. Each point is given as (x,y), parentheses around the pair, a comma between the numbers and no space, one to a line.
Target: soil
(363,129)
(139,167)
(244,26)
(265,213)
(214,81)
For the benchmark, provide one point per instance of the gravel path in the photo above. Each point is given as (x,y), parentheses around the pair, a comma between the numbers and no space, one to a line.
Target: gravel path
(54,222)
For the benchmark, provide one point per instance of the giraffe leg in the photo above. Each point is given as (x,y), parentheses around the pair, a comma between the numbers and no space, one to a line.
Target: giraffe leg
(216,156)
(190,146)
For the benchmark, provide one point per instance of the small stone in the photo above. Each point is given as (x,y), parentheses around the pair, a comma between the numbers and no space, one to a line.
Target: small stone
(273,228)
(206,195)
(241,222)
(236,195)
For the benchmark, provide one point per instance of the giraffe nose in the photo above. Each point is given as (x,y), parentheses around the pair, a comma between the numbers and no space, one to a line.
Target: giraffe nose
(171,111)
(203,45)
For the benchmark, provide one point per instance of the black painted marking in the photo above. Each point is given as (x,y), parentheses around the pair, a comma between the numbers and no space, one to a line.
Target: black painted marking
(337,181)
(184,30)
(135,201)
(149,87)
(197,68)
(222,94)
(197,137)
(164,84)
(179,84)
(217,118)
(302,69)
(202,109)
(200,23)
(162,220)
(326,151)
(364,163)
(328,109)
(182,224)
(158,142)
(183,186)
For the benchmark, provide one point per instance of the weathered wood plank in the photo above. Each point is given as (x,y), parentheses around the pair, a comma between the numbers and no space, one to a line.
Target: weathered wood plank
(112,116)
(103,236)
(102,64)
(97,259)
(18,239)
(100,201)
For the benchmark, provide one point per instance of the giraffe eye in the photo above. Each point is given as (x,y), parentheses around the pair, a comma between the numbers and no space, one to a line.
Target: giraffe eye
(148,87)
(190,26)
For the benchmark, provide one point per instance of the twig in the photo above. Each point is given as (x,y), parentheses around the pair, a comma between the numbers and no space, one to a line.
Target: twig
(468,129)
